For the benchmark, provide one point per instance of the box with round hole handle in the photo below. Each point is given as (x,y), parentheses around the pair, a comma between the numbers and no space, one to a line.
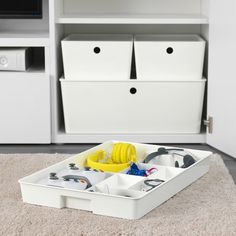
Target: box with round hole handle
(97,56)
(117,194)
(134,107)
(169,57)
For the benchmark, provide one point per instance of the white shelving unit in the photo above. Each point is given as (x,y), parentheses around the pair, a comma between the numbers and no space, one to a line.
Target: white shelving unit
(213,20)
(25,96)
(103,16)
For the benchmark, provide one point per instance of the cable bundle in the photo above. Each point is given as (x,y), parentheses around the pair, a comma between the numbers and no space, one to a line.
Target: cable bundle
(121,157)
(123,153)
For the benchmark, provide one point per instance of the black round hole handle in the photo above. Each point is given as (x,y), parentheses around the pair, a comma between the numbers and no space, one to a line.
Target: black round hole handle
(169,50)
(133,90)
(97,50)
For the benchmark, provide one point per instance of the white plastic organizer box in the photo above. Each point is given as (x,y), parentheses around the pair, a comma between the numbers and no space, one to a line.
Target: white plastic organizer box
(132,106)
(118,179)
(169,57)
(97,57)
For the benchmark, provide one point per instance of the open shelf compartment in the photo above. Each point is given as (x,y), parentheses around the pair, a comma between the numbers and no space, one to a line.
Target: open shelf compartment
(38,63)
(132,12)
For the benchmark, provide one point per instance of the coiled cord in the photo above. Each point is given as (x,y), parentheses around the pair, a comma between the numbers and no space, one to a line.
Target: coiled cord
(123,153)
(121,157)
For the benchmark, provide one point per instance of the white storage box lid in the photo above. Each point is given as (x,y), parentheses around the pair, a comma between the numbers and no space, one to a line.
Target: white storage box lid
(168,38)
(99,37)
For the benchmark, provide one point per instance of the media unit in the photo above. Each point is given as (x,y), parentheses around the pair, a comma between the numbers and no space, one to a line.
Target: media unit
(213,21)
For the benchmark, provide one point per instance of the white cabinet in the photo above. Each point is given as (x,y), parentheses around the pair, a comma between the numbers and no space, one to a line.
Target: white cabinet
(212,20)
(25,103)
(25,110)
(25,96)
(222,76)
(25,99)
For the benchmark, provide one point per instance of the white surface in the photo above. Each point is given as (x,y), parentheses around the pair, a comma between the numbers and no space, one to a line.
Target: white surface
(24,38)
(25,110)
(130,28)
(110,108)
(222,82)
(154,63)
(56,67)
(132,19)
(112,62)
(112,193)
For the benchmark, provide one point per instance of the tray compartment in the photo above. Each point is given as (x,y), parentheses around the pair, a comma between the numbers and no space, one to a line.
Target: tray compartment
(171,187)
(163,173)
(121,192)
(118,181)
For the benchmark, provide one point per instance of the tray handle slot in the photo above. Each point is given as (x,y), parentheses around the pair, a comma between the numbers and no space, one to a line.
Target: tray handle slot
(74,202)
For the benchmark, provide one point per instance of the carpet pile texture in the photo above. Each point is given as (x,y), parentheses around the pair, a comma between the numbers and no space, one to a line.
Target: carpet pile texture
(207,207)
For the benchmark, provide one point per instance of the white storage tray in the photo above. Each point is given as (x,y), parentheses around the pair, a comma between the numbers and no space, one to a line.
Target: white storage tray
(166,57)
(105,107)
(118,195)
(100,57)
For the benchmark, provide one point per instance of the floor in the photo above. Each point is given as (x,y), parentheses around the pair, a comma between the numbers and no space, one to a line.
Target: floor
(76,148)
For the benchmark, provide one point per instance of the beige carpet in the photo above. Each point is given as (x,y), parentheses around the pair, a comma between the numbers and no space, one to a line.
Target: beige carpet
(208,207)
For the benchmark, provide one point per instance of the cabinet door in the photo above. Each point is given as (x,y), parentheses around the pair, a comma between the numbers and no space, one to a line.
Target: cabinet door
(222,75)
(25,110)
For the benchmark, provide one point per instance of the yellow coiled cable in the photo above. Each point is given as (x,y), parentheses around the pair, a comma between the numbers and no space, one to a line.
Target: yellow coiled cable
(123,153)
(121,156)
